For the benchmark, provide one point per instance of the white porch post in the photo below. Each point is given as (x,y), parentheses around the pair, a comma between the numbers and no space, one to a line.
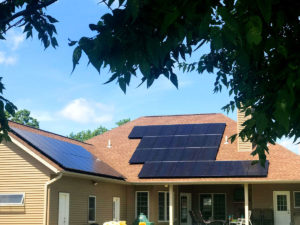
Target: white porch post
(171,206)
(246,204)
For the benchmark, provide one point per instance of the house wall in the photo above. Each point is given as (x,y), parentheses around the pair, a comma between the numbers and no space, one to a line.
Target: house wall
(20,172)
(153,203)
(232,207)
(263,197)
(80,190)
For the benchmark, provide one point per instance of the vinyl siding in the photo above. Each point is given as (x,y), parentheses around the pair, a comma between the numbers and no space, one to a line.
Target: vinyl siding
(262,197)
(19,172)
(79,190)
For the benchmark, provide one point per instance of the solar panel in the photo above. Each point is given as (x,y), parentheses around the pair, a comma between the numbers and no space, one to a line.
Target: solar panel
(181,141)
(179,129)
(67,155)
(202,169)
(173,154)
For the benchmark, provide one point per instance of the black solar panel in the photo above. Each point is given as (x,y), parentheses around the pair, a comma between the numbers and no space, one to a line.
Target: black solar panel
(180,129)
(202,169)
(67,155)
(180,141)
(173,154)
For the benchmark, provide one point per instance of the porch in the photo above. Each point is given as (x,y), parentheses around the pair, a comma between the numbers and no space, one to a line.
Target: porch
(270,204)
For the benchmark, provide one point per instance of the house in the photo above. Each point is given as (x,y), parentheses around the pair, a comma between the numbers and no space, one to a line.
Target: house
(162,166)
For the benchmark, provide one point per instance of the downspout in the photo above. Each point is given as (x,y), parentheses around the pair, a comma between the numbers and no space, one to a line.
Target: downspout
(46,195)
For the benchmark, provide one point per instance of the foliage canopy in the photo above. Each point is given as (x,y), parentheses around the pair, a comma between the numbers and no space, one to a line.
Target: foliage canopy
(23,117)
(254,51)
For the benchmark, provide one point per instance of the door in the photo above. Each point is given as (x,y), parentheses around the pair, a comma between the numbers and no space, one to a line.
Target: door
(282,213)
(63,208)
(185,208)
(116,208)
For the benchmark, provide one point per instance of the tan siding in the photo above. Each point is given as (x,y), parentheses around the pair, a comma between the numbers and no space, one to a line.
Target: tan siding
(153,202)
(19,172)
(243,146)
(262,196)
(79,190)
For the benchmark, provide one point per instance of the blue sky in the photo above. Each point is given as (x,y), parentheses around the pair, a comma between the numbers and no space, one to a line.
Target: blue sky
(41,81)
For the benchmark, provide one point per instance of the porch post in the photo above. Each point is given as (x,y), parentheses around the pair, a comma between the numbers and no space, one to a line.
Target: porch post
(171,206)
(246,204)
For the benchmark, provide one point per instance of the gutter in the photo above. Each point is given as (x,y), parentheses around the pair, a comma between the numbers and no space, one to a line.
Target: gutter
(47,184)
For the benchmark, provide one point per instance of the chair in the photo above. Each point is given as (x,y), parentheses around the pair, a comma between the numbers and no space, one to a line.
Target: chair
(197,219)
(243,221)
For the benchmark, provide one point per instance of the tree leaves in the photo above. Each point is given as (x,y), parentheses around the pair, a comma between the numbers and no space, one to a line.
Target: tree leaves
(76,56)
(254,29)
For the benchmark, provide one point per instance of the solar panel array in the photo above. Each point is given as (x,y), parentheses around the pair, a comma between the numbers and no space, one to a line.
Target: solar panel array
(67,155)
(188,169)
(177,142)
(186,151)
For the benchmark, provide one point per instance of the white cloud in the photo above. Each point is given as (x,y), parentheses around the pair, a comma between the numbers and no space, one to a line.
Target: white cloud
(7,60)
(83,111)
(288,143)
(14,38)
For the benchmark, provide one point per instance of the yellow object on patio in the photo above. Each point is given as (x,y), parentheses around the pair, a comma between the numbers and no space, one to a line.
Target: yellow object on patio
(122,222)
(142,223)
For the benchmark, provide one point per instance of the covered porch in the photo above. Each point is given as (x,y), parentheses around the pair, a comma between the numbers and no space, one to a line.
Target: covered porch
(268,204)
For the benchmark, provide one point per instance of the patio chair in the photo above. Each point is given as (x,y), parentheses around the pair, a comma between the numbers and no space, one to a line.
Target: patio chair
(243,221)
(198,219)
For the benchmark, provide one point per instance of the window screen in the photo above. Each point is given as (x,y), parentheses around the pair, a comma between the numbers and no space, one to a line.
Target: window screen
(163,206)
(142,203)
(92,208)
(219,207)
(12,199)
(297,199)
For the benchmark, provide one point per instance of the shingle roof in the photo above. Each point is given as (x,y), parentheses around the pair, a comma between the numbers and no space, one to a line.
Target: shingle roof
(65,153)
(284,165)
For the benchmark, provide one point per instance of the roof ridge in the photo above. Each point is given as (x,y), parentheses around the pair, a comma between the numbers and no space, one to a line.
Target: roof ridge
(191,114)
(49,132)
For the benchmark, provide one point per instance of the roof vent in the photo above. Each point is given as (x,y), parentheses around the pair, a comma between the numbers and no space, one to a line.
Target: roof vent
(108,144)
(226,140)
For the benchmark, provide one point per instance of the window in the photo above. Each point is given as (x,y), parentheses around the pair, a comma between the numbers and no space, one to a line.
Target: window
(213,206)
(92,208)
(12,199)
(116,209)
(142,203)
(163,206)
(297,199)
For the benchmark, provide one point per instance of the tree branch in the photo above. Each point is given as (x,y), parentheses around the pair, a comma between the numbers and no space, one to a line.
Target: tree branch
(28,9)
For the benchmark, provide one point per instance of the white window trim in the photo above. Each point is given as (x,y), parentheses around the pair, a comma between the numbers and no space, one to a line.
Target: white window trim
(148,210)
(296,207)
(14,204)
(166,207)
(93,196)
(212,210)
(115,219)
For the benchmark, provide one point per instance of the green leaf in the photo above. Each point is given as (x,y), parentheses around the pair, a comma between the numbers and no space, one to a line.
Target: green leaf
(51,19)
(174,80)
(265,7)
(112,78)
(110,2)
(122,84)
(76,56)
(254,29)
(71,43)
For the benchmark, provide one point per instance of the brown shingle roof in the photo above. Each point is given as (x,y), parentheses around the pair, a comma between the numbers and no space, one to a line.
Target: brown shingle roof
(284,164)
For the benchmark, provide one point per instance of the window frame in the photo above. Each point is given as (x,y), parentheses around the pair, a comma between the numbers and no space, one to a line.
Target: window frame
(212,197)
(14,204)
(92,196)
(166,207)
(148,203)
(294,199)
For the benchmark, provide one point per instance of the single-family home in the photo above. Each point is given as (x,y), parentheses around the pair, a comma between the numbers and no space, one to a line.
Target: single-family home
(163,166)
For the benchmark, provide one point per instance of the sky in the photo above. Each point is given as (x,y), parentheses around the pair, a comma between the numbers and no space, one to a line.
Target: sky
(41,81)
